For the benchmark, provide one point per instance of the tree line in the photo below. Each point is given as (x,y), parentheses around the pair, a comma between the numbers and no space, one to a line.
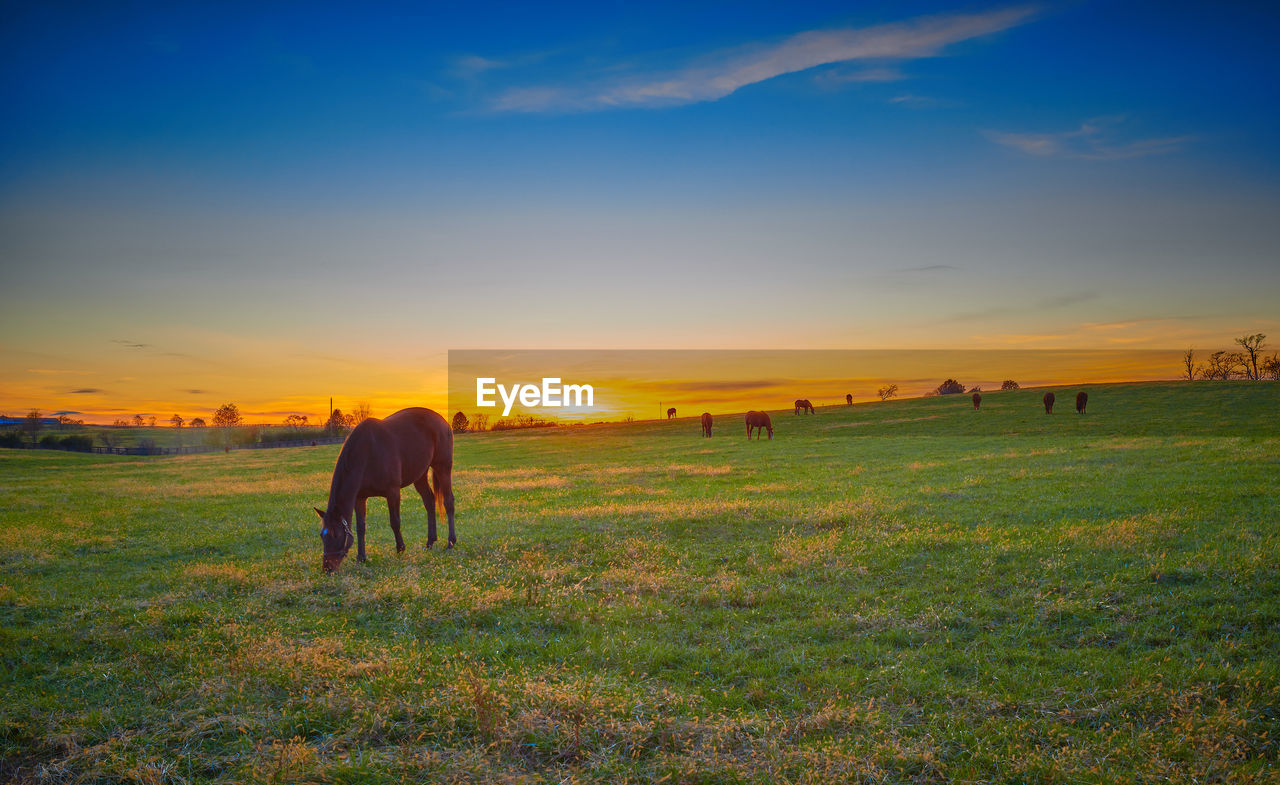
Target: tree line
(1247,363)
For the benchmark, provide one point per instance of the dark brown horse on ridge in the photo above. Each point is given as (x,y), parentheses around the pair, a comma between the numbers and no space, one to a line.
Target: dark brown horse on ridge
(759,420)
(671,412)
(706,424)
(1048,403)
(378,459)
(804,405)
(848,398)
(977,401)
(1082,400)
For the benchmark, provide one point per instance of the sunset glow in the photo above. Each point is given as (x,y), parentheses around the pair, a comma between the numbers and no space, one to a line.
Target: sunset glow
(279,207)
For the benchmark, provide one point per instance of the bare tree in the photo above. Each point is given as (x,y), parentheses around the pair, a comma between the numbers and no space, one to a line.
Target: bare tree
(886,393)
(1008,384)
(1270,368)
(32,424)
(176,421)
(1224,365)
(479,422)
(295,421)
(138,422)
(196,422)
(1252,344)
(361,413)
(1189,363)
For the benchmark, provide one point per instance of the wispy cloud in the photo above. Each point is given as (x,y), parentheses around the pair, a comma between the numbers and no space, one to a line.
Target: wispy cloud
(1099,139)
(85,391)
(837,76)
(131,344)
(721,73)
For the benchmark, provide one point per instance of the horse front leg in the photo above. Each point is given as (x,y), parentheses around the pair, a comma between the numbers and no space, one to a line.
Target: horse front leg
(360,508)
(393,506)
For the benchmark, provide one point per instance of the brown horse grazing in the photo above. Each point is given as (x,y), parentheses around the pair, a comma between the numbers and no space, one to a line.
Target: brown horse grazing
(1048,403)
(706,424)
(977,401)
(671,412)
(759,420)
(378,459)
(804,405)
(1082,399)
(848,398)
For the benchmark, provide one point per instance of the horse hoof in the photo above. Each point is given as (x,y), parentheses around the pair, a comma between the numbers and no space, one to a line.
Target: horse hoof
(430,543)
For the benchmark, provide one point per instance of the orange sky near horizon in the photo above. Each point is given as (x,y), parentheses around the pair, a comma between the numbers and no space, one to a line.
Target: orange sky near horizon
(269,379)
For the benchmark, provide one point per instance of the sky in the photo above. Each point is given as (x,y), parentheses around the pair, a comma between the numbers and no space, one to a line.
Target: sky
(283,203)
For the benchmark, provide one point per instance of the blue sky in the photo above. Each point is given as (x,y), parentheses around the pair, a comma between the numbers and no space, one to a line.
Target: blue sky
(294,179)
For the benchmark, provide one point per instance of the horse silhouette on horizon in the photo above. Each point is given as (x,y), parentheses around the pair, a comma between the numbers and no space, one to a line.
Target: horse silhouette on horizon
(671,412)
(803,404)
(379,458)
(848,398)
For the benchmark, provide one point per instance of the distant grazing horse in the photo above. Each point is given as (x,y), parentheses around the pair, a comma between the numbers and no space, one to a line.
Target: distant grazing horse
(759,420)
(977,401)
(706,424)
(671,412)
(1082,399)
(804,405)
(848,398)
(1048,403)
(378,459)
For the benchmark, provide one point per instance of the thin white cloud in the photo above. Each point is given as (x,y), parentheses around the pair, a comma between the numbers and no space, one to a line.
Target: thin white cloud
(722,73)
(1098,139)
(861,75)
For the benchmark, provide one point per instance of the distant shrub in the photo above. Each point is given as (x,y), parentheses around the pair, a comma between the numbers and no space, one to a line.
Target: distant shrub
(1008,384)
(11,439)
(50,442)
(78,443)
(950,387)
(459,423)
(245,436)
(148,447)
(521,421)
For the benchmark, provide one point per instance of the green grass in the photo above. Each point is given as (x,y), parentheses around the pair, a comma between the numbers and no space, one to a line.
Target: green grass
(900,592)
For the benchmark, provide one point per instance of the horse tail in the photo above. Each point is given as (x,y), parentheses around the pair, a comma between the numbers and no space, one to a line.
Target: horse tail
(435,490)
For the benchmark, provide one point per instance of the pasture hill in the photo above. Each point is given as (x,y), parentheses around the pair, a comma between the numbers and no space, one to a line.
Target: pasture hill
(908,591)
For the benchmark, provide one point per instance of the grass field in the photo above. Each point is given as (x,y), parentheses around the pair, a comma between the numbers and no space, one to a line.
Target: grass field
(900,592)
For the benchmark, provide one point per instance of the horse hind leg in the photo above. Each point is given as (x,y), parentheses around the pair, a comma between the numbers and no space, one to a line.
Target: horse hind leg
(393,506)
(423,486)
(442,482)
